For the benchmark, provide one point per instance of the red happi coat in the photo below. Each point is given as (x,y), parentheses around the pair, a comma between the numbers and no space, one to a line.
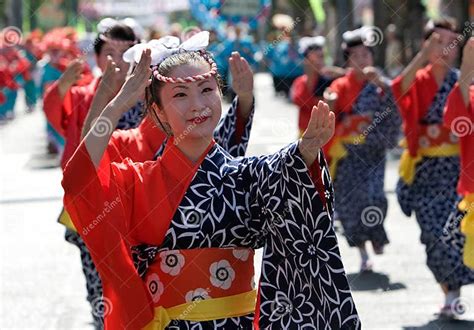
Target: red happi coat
(459,117)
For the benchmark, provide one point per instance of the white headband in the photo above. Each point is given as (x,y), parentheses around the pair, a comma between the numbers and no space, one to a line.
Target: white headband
(167,46)
(107,23)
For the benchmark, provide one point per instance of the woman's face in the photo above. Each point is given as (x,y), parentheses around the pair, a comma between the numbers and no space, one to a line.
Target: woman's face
(192,109)
(314,60)
(116,52)
(360,57)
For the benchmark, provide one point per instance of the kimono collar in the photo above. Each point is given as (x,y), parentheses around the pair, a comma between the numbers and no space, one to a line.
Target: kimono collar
(177,164)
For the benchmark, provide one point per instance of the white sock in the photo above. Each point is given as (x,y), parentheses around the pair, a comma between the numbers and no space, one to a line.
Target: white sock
(363,254)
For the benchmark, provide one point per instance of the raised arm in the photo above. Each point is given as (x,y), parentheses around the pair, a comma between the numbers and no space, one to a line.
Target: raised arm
(109,86)
(233,131)
(54,96)
(458,105)
(409,73)
(97,139)
(72,74)
(467,70)
(319,131)
(242,83)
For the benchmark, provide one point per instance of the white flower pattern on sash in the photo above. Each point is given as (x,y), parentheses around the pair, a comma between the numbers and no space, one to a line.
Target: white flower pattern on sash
(197,294)
(269,202)
(171,262)
(241,254)
(155,286)
(222,274)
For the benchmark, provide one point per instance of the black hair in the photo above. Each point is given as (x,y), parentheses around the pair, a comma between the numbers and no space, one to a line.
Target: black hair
(312,48)
(447,23)
(119,32)
(353,41)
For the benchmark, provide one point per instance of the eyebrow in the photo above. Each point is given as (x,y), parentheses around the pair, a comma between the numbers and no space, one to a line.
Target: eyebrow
(185,87)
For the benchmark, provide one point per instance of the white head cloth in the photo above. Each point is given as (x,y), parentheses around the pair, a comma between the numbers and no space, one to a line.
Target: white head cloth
(167,46)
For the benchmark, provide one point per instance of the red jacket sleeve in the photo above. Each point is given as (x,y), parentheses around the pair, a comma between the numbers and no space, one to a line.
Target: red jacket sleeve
(407,100)
(455,106)
(300,93)
(337,86)
(53,105)
(96,202)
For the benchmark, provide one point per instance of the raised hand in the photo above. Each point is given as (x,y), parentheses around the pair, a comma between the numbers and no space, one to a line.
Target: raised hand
(319,131)
(467,66)
(374,76)
(134,87)
(431,45)
(112,79)
(467,70)
(70,76)
(242,75)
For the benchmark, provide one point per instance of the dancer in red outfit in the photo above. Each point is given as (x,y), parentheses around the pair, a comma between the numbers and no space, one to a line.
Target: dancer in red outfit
(429,166)
(459,117)
(196,198)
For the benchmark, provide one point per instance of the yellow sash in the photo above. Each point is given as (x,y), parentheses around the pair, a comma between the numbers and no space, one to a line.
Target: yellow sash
(467,228)
(338,151)
(205,310)
(408,163)
(65,219)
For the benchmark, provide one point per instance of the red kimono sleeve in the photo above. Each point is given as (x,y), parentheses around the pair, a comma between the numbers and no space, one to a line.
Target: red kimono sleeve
(414,103)
(97,203)
(128,144)
(55,112)
(456,108)
(316,176)
(300,94)
(337,86)
(407,100)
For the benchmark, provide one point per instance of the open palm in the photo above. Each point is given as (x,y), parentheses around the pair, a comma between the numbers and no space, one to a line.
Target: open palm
(319,131)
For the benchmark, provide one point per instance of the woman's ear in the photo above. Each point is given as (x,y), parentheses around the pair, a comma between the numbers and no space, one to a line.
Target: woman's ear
(161,119)
(159,113)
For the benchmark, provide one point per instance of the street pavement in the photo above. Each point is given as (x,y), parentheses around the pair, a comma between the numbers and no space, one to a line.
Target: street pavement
(41,281)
